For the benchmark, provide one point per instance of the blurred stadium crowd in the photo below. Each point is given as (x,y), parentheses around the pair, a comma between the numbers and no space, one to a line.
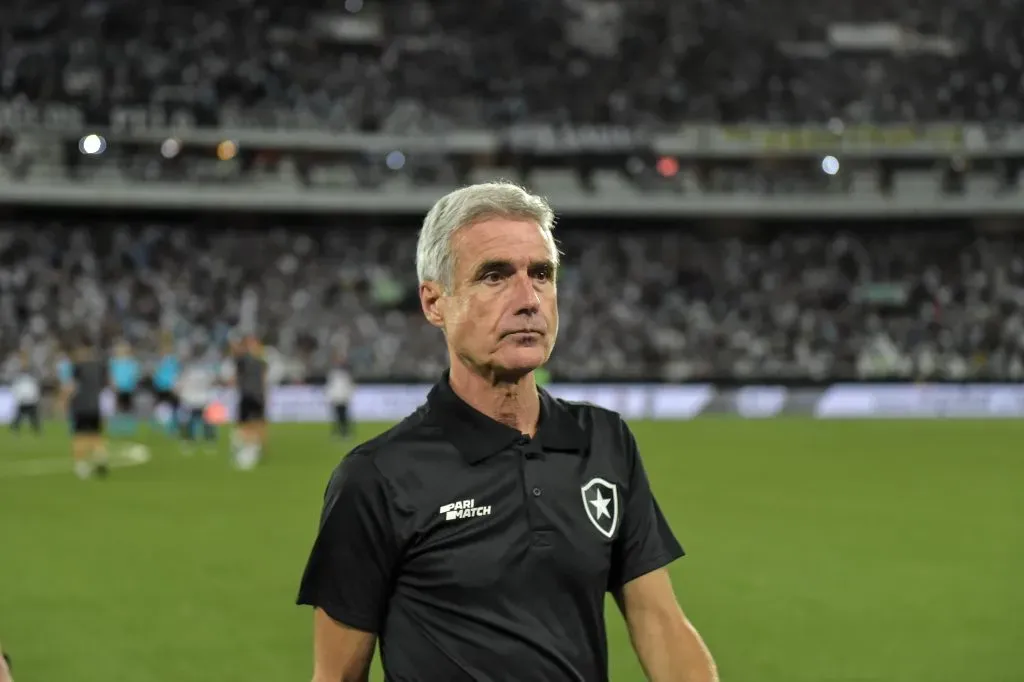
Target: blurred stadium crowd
(419,65)
(668,305)
(635,304)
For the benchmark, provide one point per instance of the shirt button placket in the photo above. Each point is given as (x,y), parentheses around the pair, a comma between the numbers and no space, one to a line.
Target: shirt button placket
(534,488)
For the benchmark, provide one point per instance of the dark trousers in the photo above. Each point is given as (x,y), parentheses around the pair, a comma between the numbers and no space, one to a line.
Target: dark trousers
(28,412)
(342,426)
(170,399)
(196,422)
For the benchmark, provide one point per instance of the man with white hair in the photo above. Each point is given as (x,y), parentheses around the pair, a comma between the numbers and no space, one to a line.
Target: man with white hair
(477,539)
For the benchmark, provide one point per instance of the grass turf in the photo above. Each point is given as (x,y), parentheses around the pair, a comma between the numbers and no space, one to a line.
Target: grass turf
(818,552)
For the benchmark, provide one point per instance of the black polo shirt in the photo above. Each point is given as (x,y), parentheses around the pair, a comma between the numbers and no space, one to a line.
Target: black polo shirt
(477,553)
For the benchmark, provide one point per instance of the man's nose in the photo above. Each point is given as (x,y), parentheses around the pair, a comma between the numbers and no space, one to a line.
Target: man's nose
(527,298)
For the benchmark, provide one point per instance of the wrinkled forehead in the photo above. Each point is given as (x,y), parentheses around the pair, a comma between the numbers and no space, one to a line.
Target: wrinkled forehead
(520,242)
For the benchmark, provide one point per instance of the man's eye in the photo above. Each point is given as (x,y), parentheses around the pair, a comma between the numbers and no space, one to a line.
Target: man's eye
(492,277)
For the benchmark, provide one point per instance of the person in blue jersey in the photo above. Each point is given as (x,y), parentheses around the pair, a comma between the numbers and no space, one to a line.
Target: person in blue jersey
(124,377)
(165,386)
(65,387)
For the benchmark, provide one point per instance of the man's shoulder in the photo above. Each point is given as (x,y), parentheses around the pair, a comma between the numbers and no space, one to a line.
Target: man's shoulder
(382,460)
(401,440)
(589,415)
(605,429)
(585,407)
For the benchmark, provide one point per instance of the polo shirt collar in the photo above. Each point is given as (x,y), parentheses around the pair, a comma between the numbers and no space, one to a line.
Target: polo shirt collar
(477,436)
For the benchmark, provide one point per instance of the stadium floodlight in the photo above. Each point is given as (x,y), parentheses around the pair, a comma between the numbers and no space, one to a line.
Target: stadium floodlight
(170,148)
(395,160)
(667,166)
(830,165)
(227,150)
(92,144)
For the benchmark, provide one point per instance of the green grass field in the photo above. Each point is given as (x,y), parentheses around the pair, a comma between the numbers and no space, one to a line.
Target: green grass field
(818,552)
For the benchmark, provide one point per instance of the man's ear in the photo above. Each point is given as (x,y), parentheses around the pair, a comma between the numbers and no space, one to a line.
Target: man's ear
(432,301)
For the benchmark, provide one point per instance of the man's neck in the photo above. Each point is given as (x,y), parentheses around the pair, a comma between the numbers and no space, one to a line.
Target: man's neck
(515,404)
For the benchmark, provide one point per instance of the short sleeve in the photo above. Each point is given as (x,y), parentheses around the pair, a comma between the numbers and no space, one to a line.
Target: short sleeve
(645,542)
(350,569)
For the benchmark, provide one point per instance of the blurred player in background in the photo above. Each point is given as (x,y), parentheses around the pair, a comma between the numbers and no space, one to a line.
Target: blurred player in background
(250,379)
(165,382)
(340,388)
(65,386)
(195,388)
(542,376)
(226,377)
(124,377)
(26,393)
(87,443)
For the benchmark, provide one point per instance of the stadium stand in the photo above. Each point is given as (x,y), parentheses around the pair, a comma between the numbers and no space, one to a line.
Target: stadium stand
(579,99)
(667,305)
(421,65)
(586,98)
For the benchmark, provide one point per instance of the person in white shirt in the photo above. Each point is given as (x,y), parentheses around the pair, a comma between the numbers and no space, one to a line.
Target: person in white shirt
(195,388)
(27,393)
(340,388)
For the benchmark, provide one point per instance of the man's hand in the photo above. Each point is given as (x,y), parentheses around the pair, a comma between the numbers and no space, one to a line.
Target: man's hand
(5,669)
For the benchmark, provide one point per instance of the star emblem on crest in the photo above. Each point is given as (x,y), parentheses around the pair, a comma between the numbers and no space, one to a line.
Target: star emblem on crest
(601,504)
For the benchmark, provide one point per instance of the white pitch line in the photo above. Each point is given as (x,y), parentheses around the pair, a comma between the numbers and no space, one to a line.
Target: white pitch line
(130,457)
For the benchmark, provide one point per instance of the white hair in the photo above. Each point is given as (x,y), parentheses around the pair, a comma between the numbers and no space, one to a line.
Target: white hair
(435,256)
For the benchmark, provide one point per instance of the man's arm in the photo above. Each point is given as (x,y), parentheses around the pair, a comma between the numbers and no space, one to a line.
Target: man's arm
(340,653)
(669,648)
(349,574)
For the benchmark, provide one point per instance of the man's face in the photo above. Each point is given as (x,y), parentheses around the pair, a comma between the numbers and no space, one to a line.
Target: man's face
(501,315)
